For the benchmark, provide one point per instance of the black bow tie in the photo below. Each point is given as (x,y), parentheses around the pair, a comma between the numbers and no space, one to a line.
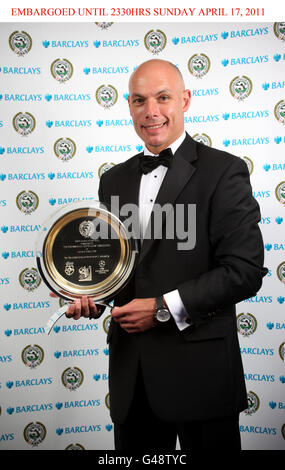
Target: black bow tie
(149,163)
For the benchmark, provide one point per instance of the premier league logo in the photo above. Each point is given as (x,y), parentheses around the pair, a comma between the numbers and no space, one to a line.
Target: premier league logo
(61,70)
(282,351)
(279,111)
(155,41)
(279,30)
(20,42)
(24,123)
(241,87)
(106,96)
(27,202)
(34,433)
(29,279)
(64,149)
(199,65)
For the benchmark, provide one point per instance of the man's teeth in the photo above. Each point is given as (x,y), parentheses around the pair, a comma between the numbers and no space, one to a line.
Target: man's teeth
(154,127)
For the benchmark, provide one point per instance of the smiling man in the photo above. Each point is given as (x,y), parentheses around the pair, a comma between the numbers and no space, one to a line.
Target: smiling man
(175,367)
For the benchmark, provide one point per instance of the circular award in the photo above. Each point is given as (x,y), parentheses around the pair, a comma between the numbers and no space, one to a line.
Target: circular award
(84,249)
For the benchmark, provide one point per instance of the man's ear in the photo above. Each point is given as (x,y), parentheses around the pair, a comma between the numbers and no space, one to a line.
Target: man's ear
(186,100)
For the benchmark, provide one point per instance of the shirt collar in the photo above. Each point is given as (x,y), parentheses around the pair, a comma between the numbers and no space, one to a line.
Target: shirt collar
(174,146)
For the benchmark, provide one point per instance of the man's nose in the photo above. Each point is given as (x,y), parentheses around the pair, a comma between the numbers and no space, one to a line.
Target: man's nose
(152,109)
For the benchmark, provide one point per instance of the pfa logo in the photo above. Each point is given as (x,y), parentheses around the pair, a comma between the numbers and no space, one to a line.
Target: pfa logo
(280,192)
(246,324)
(279,30)
(106,96)
(20,43)
(32,356)
(199,65)
(29,279)
(241,87)
(24,123)
(282,351)
(253,403)
(72,378)
(281,272)
(64,149)
(249,163)
(104,167)
(203,139)
(61,70)
(103,25)
(279,111)
(34,433)
(27,202)
(155,41)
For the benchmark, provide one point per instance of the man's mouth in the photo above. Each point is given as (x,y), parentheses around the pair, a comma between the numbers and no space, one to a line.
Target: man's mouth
(154,126)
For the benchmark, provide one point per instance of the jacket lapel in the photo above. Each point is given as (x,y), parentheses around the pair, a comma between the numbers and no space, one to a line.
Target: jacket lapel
(174,181)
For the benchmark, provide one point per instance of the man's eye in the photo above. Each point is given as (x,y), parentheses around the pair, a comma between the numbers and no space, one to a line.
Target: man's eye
(163,98)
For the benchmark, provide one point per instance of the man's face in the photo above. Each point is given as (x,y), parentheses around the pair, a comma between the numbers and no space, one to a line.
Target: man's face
(157,102)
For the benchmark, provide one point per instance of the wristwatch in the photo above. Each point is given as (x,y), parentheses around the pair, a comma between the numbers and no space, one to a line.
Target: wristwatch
(161,314)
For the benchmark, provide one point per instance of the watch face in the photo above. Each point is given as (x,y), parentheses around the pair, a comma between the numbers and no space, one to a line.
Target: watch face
(163,315)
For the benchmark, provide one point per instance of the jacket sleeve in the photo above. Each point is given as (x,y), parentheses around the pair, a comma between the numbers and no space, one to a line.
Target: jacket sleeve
(237,247)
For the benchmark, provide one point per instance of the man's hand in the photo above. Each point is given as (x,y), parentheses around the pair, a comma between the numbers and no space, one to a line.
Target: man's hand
(84,307)
(136,316)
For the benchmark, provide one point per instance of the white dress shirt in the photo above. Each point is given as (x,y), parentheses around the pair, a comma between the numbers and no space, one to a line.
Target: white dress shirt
(149,187)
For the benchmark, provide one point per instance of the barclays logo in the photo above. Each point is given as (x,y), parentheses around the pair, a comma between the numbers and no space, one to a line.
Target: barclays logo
(21,98)
(198,39)
(5,359)
(23,150)
(76,353)
(117,43)
(245,60)
(257,377)
(201,119)
(273,85)
(65,200)
(74,123)
(250,141)
(78,404)
(246,115)
(65,44)
(276,326)
(106,70)
(278,406)
(20,70)
(66,175)
(30,408)
(259,299)
(114,122)
(274,166)
(108,148)
(25,331)
(20,228)
(245,33)
(205,92)
(277,57)
(35,382)
(68,97)
(274,247)
(256,351)
(79,429)
(267,431)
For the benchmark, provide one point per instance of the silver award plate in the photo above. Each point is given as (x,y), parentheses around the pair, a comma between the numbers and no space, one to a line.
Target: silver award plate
(84,249)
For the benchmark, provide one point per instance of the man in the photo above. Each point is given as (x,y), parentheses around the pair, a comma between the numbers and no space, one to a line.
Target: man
(183,376)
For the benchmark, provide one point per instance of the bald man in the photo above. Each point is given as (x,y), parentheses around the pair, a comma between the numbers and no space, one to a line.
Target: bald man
(174,362)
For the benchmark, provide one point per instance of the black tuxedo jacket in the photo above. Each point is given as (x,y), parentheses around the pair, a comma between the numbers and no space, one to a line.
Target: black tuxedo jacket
(196,373)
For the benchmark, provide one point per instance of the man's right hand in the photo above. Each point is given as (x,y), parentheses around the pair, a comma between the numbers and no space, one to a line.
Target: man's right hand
(84,307)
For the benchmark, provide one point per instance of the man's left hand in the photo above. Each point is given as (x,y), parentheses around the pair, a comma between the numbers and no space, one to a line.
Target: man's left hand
(136,316)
